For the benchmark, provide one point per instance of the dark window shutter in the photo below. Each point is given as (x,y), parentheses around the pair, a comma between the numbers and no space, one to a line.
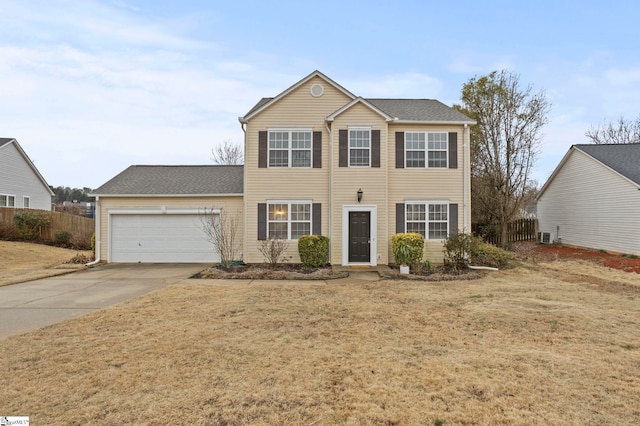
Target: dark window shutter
(343,148)
(375,148)
(317,150)
(317,219)
(399,218)
(262,221)
(263,152)
(453,150)
(453,219)
(399,150)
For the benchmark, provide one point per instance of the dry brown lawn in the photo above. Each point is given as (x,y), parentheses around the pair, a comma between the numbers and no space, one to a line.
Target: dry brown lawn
(554,343)
(21,261)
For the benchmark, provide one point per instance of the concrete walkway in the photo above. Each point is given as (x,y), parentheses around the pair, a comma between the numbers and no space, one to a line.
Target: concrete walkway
(35,304)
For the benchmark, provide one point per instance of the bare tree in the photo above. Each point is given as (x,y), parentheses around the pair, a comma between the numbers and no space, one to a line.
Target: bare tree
(222,231)
(622,131)
(228,153)
(504,143)
(273,251)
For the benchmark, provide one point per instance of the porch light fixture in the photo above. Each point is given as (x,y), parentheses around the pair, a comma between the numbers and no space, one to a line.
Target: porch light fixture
(359,194)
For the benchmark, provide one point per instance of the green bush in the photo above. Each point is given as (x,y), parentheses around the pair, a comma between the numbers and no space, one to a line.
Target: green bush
(93,242)
(407,248)
(486,254)
(29,223)
(62,238)
(462,250)
(313,250)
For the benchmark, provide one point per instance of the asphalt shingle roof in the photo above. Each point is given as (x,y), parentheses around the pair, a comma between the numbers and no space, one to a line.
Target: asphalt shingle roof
(175,180)
(419,110)
(623,158)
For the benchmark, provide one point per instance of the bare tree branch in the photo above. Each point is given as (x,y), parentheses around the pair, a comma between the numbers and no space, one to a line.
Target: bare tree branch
(622,132)
(222,231)
(228,153)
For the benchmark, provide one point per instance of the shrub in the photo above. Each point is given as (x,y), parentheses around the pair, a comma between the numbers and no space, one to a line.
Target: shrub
(273,251)
(8,231)
(485,254)
(29,223)
(93,243)
(61,238)
(407,248)
(81,240)
(313,250)
(461,250)
(458,249)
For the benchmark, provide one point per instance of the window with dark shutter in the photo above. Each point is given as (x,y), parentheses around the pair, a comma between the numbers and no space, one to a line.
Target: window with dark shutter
(317,150)
(399,150)
(343,148)
(453,150)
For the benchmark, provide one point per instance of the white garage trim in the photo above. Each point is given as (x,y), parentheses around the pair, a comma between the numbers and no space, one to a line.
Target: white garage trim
(164,235)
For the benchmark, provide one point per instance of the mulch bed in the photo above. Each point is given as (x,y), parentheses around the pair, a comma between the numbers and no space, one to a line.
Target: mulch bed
(549,252)
(264,272)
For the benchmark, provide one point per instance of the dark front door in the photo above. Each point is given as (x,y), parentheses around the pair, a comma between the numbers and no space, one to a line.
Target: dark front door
(359,237)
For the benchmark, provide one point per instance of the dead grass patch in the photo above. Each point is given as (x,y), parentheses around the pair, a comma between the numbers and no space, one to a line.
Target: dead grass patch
(23,261)
(517,347)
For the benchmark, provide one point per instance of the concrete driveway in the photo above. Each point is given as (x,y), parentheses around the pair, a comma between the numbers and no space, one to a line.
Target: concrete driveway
(35,304)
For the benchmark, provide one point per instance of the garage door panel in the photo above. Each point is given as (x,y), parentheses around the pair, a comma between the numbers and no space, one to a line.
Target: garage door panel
(174,238)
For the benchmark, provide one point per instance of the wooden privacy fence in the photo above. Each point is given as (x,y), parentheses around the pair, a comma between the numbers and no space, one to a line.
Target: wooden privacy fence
(74,224)
(518,230)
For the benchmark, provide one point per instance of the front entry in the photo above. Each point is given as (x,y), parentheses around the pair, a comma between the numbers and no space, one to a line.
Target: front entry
(359,237)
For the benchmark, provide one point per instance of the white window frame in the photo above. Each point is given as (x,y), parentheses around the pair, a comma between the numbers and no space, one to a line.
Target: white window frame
(358,129)
(26,202)
(427,150)
(289,148)
(7,198)
(289,219)
(427,220)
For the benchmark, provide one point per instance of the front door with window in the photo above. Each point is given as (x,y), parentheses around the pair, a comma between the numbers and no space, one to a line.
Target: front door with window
(359,237)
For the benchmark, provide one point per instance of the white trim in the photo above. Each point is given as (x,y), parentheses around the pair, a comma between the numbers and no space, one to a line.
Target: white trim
(25,198)
(373,255)
(433,122)
(426,149)
(427,203)
(363,101)
(7,201)
(289,220)
(349,148)
(164,195)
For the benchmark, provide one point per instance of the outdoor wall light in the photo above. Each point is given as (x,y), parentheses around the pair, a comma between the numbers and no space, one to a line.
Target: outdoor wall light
(359,194)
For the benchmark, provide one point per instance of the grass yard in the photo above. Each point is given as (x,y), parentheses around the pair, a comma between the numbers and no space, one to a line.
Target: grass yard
(554,343)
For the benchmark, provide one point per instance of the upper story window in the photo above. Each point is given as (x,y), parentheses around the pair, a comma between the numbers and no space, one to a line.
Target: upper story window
(290,148)
(7,200)
(431,219)
(359,147)
(426,149)
(288,220)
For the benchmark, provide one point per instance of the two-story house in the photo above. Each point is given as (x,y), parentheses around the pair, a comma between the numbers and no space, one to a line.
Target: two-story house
(320,160)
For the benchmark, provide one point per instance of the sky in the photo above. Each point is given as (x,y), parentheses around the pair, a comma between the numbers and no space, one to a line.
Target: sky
(90,87)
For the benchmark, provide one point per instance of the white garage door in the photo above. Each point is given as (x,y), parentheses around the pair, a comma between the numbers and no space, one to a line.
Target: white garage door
(159,238)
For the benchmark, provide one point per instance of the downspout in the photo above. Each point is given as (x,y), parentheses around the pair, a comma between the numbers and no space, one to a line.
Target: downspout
(464,179)
(330,159)
(243,124)
(97,231)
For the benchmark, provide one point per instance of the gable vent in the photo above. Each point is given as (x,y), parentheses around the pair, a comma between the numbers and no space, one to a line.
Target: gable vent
(317,90)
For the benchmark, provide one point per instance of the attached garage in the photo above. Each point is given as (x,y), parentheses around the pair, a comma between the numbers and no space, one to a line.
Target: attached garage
(154,214)
(160,238)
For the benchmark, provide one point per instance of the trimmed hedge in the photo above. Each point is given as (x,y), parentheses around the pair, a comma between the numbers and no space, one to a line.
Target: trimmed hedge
(462,250)
(408,248)
(313,250)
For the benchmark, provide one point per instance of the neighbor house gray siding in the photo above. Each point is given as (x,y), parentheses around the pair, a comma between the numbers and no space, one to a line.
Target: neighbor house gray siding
(18,178)
(587,204)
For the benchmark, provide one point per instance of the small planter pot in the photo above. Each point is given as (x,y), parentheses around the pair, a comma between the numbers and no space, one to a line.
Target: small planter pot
(404,269)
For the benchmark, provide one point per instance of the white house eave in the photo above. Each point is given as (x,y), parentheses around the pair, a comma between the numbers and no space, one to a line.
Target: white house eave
(33,167)
(398,121)
(165,195)
(316,73)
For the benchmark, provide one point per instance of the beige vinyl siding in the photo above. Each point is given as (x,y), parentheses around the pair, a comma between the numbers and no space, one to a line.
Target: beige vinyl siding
(372,181)
(230,204)
(592,205)
(441,184)
(297,109)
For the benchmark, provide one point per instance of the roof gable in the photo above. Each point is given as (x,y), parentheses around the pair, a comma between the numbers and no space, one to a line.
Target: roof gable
(357,101)
(175,180)
(265,103)
(5,142)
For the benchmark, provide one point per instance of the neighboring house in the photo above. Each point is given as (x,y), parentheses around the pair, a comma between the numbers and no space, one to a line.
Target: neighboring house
(21,184)
(592,198)
(320,160)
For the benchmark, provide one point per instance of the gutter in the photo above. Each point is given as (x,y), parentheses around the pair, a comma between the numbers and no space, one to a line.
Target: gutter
(326,125)
(464,179)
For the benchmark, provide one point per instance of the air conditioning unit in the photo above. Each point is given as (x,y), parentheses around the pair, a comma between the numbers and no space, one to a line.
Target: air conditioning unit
(544,237)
